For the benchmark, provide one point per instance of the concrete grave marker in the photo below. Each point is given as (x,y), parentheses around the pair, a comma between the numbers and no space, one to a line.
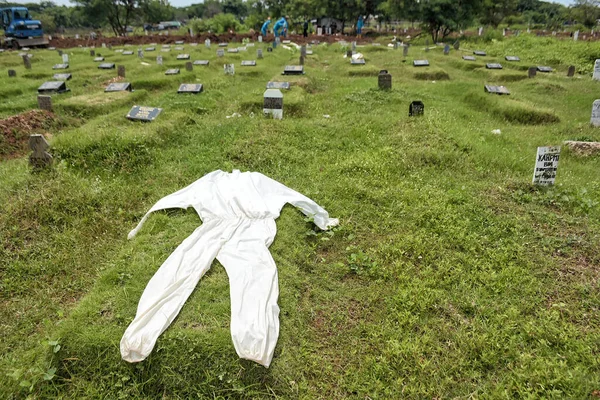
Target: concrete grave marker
(159,60)
(248,63)
(183,57)
(293,70)
(201,62)
(12,73)
(416,108)
(40,158)
(60,52)
(179,42)
(512,58)
(384,80)
(576,36)
(309,52)
(456,45)
(273,103)
(53,87)
(220,53)
(222,44)
(233,51)
(150,49)
(596,75)
(259,54)
(140,53)
(128,53)
(106,66)
(44,102)
(189,66)
(103,45)
(349,53)
(303,50)
(193,88)
(207,43)
(229,69)
(260,39)
(62,77)
(446,50)
(468,58)
(119,87)
(544,69)
(546,165)
(141,113)
(405,51)
(98,59)
(278,85)
(493,66)
(165,50)
(357,61)
(269,49)
(172,71)
(421,63)
(61,66)
(92,53)
(571,71)
(179,48)
(480,53)
(301,60)
(121,71)
(532,72)
(496,89)
(595,120)
(166,46)
(27,62)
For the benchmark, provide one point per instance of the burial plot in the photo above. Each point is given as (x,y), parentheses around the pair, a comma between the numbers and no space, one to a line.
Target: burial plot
(53,87)
(468,58)
(141,113)
(421,63)
(172,71)
(496,89)
(62,77)
(98,59)
(273,103)
(384,80)
(119,87)
(201,62)
(40,158)
(193,88)
(512,58)
(189,66)
(150,49)
(359,61)
(571,71)
(595,120)
(546,165)
(416,108)
(12,73)
(183,57)
(61,66)
(44,102)
(106,66)
(128,53)
(596,75)
(480,53)
(531,72)
(220,53)
(293,70)
(229,69)
(493,66)
(248,63)
(278,85)
(544,69)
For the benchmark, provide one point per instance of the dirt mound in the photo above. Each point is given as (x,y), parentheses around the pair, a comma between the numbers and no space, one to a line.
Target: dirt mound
(584,148)
(15,131)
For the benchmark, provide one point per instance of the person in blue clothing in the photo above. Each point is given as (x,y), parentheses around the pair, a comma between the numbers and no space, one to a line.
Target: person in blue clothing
(280,27)
(265,26)
(359,25)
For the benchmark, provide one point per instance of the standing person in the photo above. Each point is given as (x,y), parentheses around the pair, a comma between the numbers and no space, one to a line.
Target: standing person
(305,29)
(359,25)
(265,27)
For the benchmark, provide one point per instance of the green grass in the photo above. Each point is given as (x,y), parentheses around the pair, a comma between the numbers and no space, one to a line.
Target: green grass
(450,276)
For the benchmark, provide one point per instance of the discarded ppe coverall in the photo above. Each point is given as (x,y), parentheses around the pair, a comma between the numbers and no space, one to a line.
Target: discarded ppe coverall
(238,211)
(280,27)
(265,26)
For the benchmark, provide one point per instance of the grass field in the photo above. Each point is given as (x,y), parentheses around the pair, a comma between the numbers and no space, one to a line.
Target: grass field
(450,275)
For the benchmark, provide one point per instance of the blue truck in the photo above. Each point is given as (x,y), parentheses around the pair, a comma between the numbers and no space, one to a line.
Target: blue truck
(20,30)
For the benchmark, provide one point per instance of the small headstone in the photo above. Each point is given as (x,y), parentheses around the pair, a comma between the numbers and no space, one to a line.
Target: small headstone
(121,71)
(544,69)
(179,48)
(189,66)
(546,165)
(103,45)
(301,60)
(39,158)
(77,36)
(595,121)
(512,58)
(293,70)
(159,60)
(405,51)
(172,71)
(576,36)
(278,85)
(220,53)
(140,113)
(571,71)
(60,52)
(179,42)
(12,73)
(193,88)
(260,39)
(456,45)
(416,108)
(480,53)
(201,62)
(596,75)
(480,31)
(194,44)
(286,41)
(384,80)
(183,57)
(421,63)
(496,89)
(119,87)
(531,72)
(61,66)
(273,103)
(140,53)
(109,46)
(269,49)
(303,50)
(309,52)
(98,59)
(128,53)
(165,46)
(349,53)
(248,63)
(53,87)
(106,66)
(359,61)
(92,53)
(222,44)
(259,54)
(468,58)
(229,69)
(233,51)
(27,62)
(49,48)
(62,77)
(150,48)
(207,43)
(44,102)
(493,66)
(446,50)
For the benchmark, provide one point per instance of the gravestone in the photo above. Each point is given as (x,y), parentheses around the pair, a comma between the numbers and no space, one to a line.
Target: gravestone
(62,77)
(128,53)
(183,57)
(260,39)
(259,54)
(207,43)
(384,80)
(421,63)
(353,46)
(53,87)
(303,51)
(194,44)
(301,60)
(359,61)
(544,69)
(150,49)
(40,158)
(571,71)
(233,51)
(106,66)
(179,48)
(140,53)
(293,70)
(159,60)
(201,62)
(44,102)
(141,113)
(309,52)
(493,66)
(446,50)
(269,49)
(278,85)
(405,51)
(12,73)
(480,53)
(109,46)
(546,165)
(98,59)
(596,75)
(166,46)
(220,53)
(172,71)
(121,71)
(193,88)
(531,72)
(189,66)
(248,63)
(92,53)
(468,58)
(416,108)
(179,42)
(595,120)
(103,45)
(165,50)
(119,87)
(222,44)
(349,53)
(273,103)
(60,52)
(229,69)
(456,45)
(65,58)
(512,58)
(496,89)
(61,66)
(27,62)
(576,36)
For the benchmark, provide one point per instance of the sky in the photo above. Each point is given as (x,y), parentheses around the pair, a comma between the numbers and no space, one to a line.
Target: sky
(184,3)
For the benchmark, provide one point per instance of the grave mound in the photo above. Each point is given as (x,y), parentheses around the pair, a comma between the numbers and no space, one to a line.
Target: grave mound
(583,148)
(432,76)
(15,131)
(510,110)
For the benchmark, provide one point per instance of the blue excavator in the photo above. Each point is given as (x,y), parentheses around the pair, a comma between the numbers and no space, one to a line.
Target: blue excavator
(20,30)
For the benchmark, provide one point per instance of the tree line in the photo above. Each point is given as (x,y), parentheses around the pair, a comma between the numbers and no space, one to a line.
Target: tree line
(439,18)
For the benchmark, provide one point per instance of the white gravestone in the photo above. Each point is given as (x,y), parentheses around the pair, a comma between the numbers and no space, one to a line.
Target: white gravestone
(576,36)
(546,164)
(229,69)
(596,113)
(273,103)
(65,58)
(596,75)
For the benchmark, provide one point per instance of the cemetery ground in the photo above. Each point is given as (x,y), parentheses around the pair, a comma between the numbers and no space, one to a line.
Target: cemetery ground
(450,275)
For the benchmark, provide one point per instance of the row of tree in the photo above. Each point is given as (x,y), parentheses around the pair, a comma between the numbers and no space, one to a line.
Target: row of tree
(438,17)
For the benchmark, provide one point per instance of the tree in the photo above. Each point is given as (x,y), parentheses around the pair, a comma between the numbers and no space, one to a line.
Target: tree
(118,13)
(494,11)
(155,11)
(442,17)
(587,12)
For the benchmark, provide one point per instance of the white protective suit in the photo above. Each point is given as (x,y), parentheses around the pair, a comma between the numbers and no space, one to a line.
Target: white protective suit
(238,211)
